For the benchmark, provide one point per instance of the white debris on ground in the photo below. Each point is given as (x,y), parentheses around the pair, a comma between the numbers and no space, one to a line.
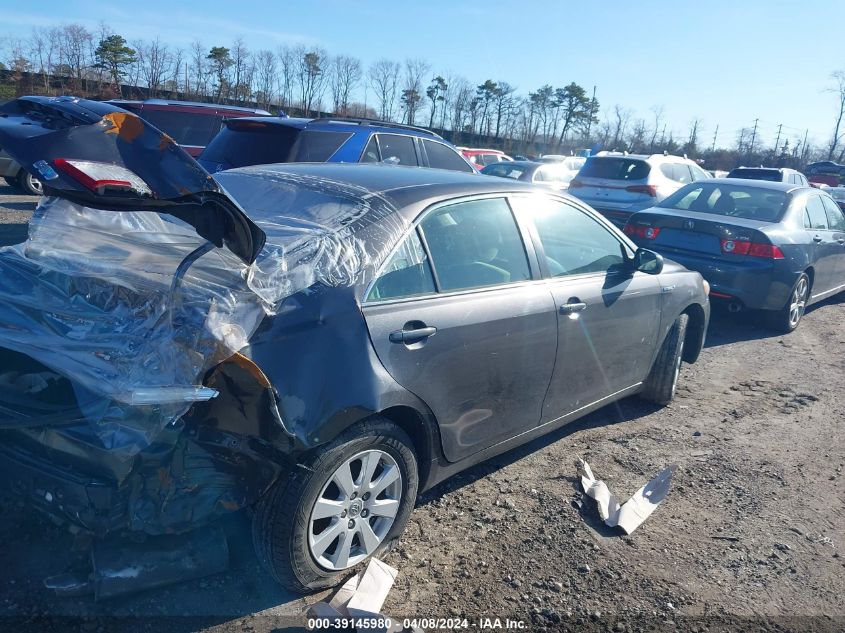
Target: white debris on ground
(630,515)
(360,598)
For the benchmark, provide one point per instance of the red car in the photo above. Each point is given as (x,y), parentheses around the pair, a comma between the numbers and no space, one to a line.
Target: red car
(192,125)
(480,158)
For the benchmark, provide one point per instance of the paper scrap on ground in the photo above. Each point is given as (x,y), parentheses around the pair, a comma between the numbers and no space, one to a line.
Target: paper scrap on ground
(362,596)
(629,515)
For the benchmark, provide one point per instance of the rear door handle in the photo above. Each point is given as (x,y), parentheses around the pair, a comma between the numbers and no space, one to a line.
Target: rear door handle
(573,307)
(817,238)
(412,336)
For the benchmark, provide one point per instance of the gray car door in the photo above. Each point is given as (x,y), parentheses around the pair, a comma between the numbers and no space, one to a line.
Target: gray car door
(836,224)
(824,247)
(608,315)
(475,340)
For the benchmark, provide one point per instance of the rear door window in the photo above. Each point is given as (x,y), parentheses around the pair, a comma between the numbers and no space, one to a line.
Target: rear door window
(314,146)
(613,168)
(835,220)
(441,156)
(815,216)
(475,244)
(407,273)
(397,149)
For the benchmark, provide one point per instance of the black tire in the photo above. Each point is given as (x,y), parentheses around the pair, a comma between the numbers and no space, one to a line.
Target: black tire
(281,523)
(662,381)
(30,184)
(786,319)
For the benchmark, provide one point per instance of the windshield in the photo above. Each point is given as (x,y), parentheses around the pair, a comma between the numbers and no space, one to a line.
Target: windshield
(613,168)
(736,201)
(240,144)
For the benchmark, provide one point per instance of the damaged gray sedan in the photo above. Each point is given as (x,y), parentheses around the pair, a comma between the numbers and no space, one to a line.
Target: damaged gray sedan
(319,343)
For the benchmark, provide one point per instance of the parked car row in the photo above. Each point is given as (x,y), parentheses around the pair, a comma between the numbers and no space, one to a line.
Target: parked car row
(318,342)
(776,246)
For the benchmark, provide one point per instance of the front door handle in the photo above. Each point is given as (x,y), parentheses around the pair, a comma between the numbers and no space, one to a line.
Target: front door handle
(817,238)
(572,307)
(412,336)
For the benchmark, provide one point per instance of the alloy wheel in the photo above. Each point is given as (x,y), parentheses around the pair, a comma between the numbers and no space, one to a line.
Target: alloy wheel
(355,510)
(798,301)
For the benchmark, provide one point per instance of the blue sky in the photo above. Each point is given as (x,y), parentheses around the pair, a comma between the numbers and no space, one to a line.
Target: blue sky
(725,62)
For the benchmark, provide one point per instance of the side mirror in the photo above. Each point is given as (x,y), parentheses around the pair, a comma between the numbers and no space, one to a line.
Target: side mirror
(647,261)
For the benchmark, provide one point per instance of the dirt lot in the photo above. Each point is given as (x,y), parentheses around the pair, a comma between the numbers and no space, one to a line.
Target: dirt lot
(750,537)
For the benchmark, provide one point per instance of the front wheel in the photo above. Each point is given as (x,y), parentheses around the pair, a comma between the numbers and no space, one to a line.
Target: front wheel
(789,316)
(662,382)
(350,502)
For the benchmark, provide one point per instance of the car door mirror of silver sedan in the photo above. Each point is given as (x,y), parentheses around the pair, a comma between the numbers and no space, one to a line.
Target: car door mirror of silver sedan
(647,261)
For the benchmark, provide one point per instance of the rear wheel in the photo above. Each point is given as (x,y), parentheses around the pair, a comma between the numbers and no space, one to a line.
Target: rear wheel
(29,184)
(789,316)
(662,382)
(350,502)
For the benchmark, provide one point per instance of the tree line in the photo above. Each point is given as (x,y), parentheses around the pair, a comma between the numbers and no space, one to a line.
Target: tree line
(307,80)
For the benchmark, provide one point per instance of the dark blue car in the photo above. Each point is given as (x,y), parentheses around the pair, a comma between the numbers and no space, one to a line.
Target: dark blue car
(265,140)
(762,245)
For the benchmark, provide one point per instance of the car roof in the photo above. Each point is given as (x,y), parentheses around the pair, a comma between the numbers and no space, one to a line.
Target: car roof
(333,123)
(517,163)
(408,189)
(192,104)
(786,187)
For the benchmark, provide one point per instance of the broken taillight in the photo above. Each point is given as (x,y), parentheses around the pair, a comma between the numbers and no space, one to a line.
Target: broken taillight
(102,177)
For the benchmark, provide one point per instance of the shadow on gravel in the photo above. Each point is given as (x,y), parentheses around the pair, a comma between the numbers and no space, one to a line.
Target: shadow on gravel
(726,327)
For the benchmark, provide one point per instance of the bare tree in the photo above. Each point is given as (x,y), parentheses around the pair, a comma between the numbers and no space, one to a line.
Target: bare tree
(287,65)
(241,71)
(412,88)
(384,80)
(657,113)
(344,77)
(199,68)
(621,116)
(75,43)
(265,75)
(311,77)
(839,90)
(155,61)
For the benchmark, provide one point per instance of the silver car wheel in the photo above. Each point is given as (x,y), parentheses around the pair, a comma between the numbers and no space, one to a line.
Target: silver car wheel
(798,302)
(355,510)
(33,185)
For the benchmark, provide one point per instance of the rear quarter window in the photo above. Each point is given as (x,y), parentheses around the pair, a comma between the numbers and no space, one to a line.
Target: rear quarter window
(314,146)
(441,156)
(613,168)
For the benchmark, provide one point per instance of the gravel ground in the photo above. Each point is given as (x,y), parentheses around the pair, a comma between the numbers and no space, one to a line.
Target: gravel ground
(750,537)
